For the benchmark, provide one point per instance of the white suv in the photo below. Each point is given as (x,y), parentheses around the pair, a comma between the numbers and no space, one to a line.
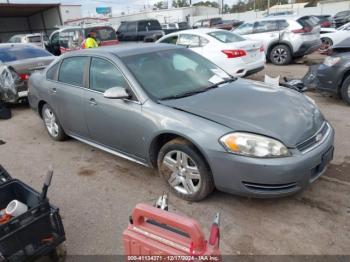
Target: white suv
(284,38)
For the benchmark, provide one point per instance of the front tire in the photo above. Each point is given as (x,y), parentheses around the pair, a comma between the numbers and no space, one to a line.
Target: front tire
(185,171)
(53,126)
(280,55)
(345,90)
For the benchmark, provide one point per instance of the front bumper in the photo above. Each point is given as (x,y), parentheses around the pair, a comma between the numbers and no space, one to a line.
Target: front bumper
(276,177)
(329,78)
(308,48)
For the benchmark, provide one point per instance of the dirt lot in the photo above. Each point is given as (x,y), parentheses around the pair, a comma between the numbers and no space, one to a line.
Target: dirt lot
(97,191)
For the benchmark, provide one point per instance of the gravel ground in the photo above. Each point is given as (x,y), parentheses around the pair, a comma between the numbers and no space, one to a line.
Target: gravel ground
(97,191)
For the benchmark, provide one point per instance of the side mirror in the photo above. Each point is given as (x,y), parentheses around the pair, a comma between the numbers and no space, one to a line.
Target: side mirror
(116,93)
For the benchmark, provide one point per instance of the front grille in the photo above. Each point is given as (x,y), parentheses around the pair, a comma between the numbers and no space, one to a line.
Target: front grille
(270,187)
(316,139)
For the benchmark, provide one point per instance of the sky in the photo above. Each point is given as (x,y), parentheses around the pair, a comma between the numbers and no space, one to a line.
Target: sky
(118,6)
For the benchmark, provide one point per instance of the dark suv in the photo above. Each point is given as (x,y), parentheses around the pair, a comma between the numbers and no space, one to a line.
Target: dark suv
(341,18)
(142,30)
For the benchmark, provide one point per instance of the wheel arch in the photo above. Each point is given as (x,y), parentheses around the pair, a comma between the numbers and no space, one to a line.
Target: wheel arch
(40,107)
(162,138)
(275,43)
(345,75)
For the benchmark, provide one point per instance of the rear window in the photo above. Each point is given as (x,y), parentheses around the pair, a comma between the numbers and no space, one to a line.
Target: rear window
(103,33)
(34,39)
(216,21)
(308,21)
(343,13)
(9,54)
(226,37)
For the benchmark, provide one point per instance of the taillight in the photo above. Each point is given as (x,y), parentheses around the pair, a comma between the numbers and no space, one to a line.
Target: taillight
(234,53)
(24,76)
(302,30)
(262,48)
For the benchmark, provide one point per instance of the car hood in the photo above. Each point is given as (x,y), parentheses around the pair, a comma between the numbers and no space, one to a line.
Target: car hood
(255,107)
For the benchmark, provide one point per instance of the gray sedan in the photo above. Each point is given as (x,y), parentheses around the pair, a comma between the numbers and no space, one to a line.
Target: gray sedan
(169,108)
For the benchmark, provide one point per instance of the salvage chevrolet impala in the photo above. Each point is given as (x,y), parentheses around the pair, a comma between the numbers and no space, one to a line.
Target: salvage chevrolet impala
(169,108)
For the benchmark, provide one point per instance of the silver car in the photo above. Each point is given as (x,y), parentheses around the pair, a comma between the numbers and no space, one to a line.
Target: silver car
(284,37)
(166,107)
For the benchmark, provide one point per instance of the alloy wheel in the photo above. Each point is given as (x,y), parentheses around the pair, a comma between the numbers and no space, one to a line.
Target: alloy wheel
(184,175)
(325,45)
(50,122)
(280,55)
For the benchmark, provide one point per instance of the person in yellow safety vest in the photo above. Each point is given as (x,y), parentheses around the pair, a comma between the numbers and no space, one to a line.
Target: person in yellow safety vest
(90,41)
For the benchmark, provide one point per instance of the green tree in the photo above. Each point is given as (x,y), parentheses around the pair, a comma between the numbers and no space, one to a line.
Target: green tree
(207,3)
(180,3)
(159,5)
(226,9)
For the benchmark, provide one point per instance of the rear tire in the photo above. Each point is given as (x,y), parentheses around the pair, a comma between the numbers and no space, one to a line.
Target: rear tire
(345,90)
(326,44)
(280,55)
(52,124)
(184,170)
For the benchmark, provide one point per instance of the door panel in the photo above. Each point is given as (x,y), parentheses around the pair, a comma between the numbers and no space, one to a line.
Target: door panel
(114,123)
(68,95)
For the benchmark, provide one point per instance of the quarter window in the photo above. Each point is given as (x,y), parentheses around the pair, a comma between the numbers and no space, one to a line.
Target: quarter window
(170,40)
(104,75)
(72,70)
(51,72)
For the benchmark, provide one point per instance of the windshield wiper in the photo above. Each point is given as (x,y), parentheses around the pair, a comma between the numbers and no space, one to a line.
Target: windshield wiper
(190,93)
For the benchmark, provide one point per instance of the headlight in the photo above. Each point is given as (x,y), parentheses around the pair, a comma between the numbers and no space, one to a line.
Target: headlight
(253,145)
(331,61)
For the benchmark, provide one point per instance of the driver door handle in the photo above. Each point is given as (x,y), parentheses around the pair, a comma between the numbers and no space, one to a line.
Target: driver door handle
(92,101)
(54,90)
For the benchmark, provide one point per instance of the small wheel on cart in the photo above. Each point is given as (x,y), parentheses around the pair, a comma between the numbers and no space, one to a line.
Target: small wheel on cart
(59,253)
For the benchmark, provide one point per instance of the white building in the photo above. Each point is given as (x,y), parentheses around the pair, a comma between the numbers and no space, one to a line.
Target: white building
(167,15)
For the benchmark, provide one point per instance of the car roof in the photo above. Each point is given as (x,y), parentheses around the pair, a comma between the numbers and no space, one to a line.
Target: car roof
(27,35)
(124,51)
(198,31)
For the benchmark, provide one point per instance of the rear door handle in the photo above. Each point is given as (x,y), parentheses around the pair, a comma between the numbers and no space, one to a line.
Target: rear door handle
(92,101)
(54,90)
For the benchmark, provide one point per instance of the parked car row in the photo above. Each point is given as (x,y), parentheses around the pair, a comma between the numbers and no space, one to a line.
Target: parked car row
(284,38)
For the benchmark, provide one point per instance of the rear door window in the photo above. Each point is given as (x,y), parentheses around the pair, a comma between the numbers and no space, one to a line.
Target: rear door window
(72,70)
(189,40)
(265,26)
(244,29)
(226,37)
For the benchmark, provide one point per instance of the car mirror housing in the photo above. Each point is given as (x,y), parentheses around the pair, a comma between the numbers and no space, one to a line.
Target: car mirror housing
(116,93)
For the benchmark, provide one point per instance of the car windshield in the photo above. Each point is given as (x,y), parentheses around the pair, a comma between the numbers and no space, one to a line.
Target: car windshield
(9,54)
(174,73)
(226,37)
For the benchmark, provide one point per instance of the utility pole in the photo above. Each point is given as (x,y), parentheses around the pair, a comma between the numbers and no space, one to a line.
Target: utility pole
(268,7)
